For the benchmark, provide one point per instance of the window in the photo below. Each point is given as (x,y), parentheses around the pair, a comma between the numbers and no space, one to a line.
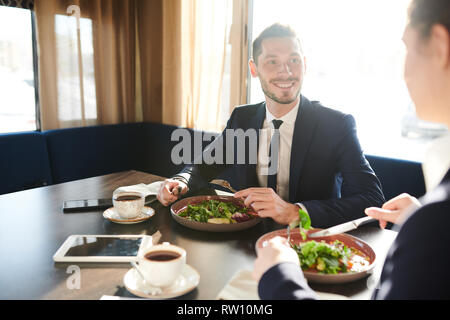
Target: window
(76,78)
(354,56)
(17,82)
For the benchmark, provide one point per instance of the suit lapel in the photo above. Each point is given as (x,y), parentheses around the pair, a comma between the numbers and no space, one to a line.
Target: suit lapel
(305,125)
(249,170)
(256,122)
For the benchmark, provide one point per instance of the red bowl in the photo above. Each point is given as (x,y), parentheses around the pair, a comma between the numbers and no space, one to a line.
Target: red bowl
(347,239)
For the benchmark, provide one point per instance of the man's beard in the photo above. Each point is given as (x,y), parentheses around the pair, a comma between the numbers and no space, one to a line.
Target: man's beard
(271,95)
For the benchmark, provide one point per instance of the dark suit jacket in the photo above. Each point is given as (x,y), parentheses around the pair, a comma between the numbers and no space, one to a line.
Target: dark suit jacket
(416,267)
(328,172)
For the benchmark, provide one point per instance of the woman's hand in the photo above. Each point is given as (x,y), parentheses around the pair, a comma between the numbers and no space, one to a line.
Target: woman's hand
(394,209)
(274,251)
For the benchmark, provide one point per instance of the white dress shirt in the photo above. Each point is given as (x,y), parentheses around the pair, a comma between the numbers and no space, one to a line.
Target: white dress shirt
(437,162)
(284,156)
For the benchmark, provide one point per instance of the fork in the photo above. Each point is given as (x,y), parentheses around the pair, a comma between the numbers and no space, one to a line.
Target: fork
(289,234)
(224,184)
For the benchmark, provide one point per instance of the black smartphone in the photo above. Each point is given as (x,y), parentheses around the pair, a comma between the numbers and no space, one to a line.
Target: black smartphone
(86,205)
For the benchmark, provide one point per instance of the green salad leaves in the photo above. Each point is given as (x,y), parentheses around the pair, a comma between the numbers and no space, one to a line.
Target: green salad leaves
(215,211)
(303,222)
(327,258)
(324,257)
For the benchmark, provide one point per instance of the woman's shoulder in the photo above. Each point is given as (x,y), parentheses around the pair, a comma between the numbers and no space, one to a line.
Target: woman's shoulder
(433,216)
(439,197)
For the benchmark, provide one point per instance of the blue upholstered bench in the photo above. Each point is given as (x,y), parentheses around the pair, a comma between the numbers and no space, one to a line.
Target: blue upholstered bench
(78,153)
(24,162)
(398,176)
(159,146)
(34,159)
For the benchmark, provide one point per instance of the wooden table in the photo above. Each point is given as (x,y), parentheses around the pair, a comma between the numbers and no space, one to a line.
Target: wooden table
(33,226)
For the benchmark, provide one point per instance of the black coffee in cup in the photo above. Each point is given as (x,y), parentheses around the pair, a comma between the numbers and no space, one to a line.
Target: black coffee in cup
(163,255)
(127,198)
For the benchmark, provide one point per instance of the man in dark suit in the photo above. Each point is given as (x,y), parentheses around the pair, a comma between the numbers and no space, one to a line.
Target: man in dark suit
(318,161)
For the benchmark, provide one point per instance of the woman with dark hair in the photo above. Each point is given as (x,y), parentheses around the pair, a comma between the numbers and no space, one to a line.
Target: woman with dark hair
(417,264)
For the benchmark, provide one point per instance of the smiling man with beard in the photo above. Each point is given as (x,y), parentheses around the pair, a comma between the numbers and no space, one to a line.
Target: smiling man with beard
(318,161)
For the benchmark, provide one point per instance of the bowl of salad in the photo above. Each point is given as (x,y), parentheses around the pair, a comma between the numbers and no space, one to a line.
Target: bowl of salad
(214,213)
(333,259)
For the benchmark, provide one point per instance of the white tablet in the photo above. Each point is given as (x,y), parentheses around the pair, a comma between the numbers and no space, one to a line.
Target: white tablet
(101,248)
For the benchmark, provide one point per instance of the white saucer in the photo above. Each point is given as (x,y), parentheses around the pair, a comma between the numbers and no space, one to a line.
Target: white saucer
(112,215)
(187,282)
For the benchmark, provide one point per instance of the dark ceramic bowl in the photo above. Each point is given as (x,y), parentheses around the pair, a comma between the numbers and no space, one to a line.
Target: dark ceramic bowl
(181,205)
(347,239)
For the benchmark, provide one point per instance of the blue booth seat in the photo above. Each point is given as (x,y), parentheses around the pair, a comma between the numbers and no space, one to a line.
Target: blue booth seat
(398,176)
(78,153)
(24,162)
(158,147)
(34,159)
(158,139)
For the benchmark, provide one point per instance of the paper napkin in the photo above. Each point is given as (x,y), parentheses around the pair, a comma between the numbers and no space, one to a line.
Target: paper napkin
(145,189)
(242,286)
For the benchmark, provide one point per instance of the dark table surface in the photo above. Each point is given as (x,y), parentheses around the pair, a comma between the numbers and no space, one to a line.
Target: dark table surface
(33,227)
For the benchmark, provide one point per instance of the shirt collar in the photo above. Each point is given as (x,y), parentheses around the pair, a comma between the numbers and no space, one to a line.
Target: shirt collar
(436,162)
(288,118)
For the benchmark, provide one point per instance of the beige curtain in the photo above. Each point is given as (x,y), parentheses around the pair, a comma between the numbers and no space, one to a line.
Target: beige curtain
(239,54)
(150,43)
(102,68)
(194,51)
(172,94)
(172,61)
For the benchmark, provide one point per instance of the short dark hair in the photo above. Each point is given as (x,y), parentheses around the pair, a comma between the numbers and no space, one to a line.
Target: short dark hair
(276,30)
(423,14)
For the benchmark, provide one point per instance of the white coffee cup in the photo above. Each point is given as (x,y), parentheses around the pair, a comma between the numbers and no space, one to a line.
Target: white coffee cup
(162,264)
(128,204)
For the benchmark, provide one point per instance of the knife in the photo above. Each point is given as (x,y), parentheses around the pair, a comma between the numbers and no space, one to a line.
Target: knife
(223,183)
(341,228)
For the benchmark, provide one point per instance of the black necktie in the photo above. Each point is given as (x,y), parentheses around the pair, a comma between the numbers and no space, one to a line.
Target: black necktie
(273,160)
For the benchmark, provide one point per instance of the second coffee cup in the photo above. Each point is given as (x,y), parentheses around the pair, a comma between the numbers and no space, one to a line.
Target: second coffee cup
(162,264)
